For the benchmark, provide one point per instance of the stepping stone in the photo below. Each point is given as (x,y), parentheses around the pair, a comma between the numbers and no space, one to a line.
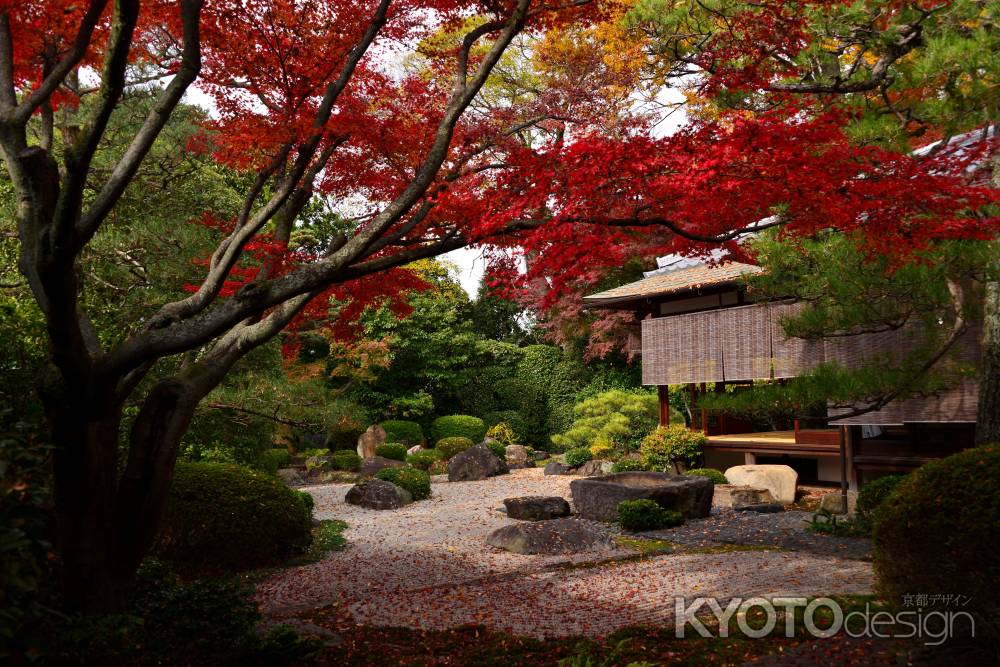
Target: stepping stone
(555,536)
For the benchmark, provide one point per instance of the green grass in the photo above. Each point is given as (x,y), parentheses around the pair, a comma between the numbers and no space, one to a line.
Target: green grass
(646,547)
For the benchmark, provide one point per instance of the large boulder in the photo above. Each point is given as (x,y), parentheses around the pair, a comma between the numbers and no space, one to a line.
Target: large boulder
(377,494)
(556,468)
(555,536)
(370,440)
(597,498)
(373,464)
(782,481)
(834,502)
(536,508)
(517,455)
(595,467)
(475,463)
(734,497)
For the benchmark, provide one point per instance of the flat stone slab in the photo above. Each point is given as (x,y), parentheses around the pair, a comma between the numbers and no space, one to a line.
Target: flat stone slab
(554,536)
(731,496)
(781,480)
(597,498)
(536,508)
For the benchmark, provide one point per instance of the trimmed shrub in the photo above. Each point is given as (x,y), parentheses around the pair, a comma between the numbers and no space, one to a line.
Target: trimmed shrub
(873,494)
(459,426)
(715,475)
(344,436)
(270,460)
(424,458)
(603,450)
(451,446)
(346,459)
(668,447)
(307,501)
(628,465)
(224,517)
(939,531)
(392,450)
(400,430)
(620,418)
(416,481)
(646,514)
(578,456)
(503,434)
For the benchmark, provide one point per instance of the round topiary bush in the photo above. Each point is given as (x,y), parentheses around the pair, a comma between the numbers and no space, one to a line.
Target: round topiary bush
(392,450)
(873,494)
(646,514)
(578,456)
(715,475)
(668,447)
(424,458)
(459,426)
(400,430)
(628,465)
(417,482)
(223,517)
(451,446)
(939,531)
(345,459)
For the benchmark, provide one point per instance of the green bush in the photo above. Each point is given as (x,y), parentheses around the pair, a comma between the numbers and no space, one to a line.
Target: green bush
(223,517)
(424,458)
(345,459)
(939,531)
(513,419)
(668,447)
(344,436)
(499,449)
(392,450)
(307,501)
(502,433)
(620,418)
(628,465)
(578,456)
(645,514)
(451,446)
(873,494)
(407,432)
(416,481)
(459,426)
(715,475)
(270,460)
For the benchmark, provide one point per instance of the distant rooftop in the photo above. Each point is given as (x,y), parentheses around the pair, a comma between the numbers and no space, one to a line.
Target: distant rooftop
(675,274)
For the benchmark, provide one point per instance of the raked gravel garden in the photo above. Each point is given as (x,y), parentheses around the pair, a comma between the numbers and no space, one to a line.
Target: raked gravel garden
(427,565)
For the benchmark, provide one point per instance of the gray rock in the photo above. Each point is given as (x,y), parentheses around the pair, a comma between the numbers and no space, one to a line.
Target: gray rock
(475,463)
(597,498)
(536,508)
(373,464)
(370,440)
(555,536)
(414,449)
(834,502)
(762,508)
(377,494)
(729,495)
(540,455)
(556,468)
(590,468)
(780,480)
(517,455)
(290,476)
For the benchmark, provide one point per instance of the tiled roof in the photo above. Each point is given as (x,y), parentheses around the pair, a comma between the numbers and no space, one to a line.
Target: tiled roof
(670,282)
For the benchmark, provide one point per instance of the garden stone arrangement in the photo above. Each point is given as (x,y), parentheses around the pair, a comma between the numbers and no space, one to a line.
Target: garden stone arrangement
(377,494)
(597,498)
(475,463)
(536,508)
(780,480)
(554,536)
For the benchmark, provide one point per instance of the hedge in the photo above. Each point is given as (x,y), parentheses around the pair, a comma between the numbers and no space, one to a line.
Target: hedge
(400,430)
(223,517)
(424,458)
(448,447)
(939,531)
(345,459)
(391,450)
(459,426)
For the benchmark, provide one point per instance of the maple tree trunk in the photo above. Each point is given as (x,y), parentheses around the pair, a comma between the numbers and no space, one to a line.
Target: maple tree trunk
(106,521)
(988,418)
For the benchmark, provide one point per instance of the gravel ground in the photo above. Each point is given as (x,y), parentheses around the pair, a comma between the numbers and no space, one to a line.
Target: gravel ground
(427,566)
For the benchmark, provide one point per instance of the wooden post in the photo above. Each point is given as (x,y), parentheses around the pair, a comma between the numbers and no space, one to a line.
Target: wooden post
(852,470)
(749,458)
(693,388)
(843,467)
(704,414)
(663,392)
(720,387)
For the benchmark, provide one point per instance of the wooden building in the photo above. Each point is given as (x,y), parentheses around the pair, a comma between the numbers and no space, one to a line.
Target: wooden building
(696,326)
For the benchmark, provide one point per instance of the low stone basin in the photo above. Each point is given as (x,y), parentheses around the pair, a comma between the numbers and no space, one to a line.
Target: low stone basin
(597,498)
